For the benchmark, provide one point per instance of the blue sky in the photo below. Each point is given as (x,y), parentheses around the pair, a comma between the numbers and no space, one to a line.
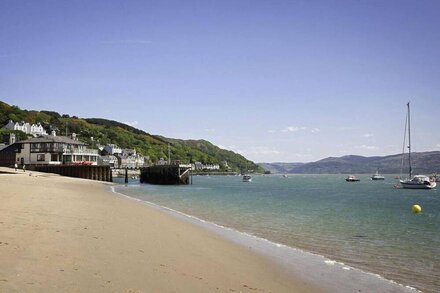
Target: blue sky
(290,81)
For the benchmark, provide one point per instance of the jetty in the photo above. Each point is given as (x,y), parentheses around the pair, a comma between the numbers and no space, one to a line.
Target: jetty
(171,174)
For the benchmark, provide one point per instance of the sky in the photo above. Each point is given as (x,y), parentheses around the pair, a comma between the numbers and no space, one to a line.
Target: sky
(276,81)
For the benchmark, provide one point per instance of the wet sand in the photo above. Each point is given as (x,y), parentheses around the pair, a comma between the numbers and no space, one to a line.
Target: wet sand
(59,234)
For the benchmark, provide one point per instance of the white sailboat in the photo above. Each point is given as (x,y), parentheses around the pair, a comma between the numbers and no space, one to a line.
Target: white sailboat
(377,176)
(246,176)
(418,181)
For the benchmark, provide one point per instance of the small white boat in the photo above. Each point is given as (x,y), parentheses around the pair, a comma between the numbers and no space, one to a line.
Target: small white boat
(377,176)
(352,178)
(417,181)
(247,178)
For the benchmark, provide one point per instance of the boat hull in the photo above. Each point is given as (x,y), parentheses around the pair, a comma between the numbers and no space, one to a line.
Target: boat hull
(247,178)
(412,185)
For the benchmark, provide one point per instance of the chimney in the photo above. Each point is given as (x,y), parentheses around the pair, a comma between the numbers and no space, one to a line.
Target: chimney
(53,133)
(73,135)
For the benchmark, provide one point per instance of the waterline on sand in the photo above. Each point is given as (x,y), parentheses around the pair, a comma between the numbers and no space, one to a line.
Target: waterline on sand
(332,275)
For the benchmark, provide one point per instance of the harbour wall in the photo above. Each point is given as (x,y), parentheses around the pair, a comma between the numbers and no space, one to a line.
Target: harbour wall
(99,173)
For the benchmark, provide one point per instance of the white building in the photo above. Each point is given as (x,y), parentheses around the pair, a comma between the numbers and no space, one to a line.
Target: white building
(55,150)
(212,167)
(34,129)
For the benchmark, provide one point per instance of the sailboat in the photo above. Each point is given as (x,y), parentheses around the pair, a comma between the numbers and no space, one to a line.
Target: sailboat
(418,181)
(377,176)
(246,177)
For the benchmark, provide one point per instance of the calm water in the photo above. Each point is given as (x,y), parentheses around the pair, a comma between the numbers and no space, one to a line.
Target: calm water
(366,224)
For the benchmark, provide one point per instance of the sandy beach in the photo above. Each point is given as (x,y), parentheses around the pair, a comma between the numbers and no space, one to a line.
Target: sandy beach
(60,234)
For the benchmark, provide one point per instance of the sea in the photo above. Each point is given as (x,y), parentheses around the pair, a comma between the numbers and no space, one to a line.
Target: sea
(366,226)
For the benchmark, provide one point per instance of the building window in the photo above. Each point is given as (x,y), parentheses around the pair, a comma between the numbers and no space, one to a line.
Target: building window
(54,158)
(41,157)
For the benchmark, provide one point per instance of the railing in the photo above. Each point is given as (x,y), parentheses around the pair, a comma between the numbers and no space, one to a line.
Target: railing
(65,151)
(46,150)
(80,152)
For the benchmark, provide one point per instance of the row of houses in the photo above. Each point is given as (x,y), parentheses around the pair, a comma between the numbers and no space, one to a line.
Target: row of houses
(32,129)
(117,157)
(199,166)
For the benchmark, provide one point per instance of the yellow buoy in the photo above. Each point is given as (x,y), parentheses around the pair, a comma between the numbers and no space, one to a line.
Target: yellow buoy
(416,209)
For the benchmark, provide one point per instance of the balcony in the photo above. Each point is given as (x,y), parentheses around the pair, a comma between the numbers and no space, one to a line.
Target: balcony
(88,152)
(46,150)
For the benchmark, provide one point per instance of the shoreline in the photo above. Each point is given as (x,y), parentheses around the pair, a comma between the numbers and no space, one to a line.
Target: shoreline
(185,254)
(73,235)
(331,273)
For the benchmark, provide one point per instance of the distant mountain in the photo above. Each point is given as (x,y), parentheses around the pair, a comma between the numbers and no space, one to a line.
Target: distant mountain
(422,163)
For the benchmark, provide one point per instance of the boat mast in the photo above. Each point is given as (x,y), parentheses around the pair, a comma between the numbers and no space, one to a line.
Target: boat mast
(409,141)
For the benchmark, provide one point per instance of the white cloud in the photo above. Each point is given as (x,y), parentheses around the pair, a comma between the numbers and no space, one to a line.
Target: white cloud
(293,128)
(297,128)
(210,130)
(367,135)
(368,147)
(133,123)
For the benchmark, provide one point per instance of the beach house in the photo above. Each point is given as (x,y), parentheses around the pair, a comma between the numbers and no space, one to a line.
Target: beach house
(48,150)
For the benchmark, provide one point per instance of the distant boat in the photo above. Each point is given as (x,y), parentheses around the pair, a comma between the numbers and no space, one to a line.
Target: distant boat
(377,176)
(285,176)
(352,178)
(247,178)
(418,181)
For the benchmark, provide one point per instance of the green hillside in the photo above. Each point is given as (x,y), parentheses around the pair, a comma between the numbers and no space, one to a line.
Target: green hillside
(102,131)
